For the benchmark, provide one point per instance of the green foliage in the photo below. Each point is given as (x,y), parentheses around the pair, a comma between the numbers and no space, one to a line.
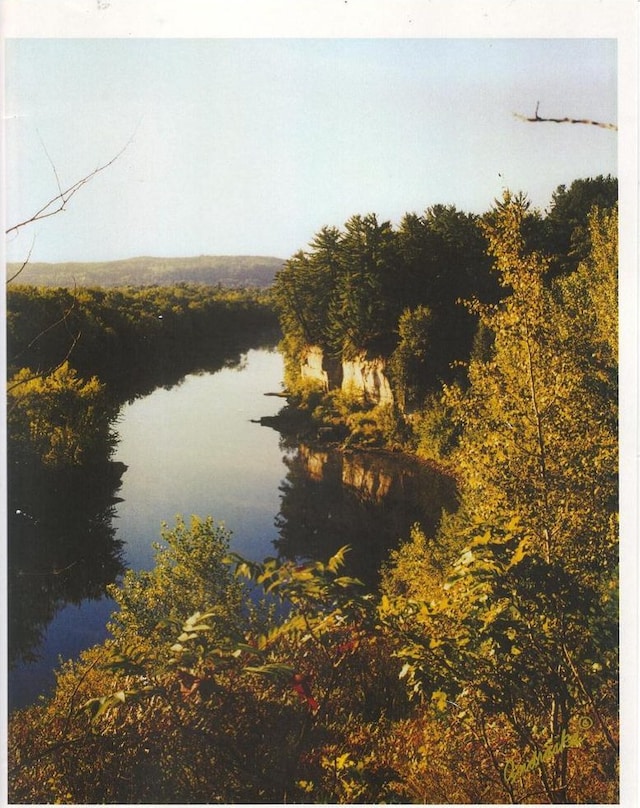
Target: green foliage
(566,227)
(59,418)
(411,355)
(514,636)
(444,263)
(189,575)
(335,295)
(361,310)
(416,570)
(590,297)
(203,711)
(436,429)
(523,634)
(295,294)
(523,449)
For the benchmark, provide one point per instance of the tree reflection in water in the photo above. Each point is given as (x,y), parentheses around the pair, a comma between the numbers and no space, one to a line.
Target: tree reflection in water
(62,547)
(61,539)
(368,500)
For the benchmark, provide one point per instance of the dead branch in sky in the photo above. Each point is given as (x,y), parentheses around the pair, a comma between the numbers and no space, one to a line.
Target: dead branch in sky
(59,202)
(537,119)
(54,206)
(24,263)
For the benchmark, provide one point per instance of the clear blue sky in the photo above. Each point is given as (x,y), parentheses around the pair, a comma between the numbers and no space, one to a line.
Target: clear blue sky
(249,146)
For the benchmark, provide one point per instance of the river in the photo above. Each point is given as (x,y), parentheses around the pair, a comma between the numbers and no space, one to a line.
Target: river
(198,448)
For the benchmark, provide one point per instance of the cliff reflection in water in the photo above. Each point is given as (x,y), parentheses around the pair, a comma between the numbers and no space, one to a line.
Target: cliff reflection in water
(368,500)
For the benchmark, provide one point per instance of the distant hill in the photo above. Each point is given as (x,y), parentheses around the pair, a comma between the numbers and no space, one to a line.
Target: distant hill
(233,271)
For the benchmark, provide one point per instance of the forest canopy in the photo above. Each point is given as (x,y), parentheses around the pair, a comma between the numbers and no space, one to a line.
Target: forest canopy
(406,293)
(484,668)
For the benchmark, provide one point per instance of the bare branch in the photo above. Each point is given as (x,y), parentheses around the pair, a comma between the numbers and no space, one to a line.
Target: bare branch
(44,373)
(53,166)
(537,119)
(26,261)
(62,319)
(41,374)
(59,202)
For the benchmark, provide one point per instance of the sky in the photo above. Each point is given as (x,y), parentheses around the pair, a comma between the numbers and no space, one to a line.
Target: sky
(256,122)
(251,145)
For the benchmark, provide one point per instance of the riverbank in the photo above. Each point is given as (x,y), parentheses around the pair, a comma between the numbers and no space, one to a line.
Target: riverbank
(335,422)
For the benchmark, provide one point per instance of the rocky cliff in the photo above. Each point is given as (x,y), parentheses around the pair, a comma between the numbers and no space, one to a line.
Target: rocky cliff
(361,375)
(367,377)
(312,367)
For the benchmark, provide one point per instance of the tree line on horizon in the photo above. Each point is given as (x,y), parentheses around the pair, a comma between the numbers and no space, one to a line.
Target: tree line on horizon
(229,271)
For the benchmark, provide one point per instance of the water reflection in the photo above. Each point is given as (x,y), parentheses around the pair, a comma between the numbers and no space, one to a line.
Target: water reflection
(61,543)
(62,547)
(368,500)
(167,363)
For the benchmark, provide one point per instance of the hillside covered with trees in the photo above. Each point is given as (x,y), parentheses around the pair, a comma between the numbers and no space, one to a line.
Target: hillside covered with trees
(485,667)
(231,271)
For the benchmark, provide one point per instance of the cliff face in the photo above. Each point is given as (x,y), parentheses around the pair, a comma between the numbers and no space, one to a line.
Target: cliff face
(367,378)
(362,376)
(315,365)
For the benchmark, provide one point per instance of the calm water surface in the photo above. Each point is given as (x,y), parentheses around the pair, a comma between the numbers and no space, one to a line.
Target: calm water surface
(194,449)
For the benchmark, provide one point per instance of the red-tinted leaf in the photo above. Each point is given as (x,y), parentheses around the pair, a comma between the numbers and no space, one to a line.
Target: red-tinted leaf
(301,683)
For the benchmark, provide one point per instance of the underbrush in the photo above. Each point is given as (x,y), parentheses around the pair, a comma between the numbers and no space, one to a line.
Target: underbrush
(321,704)
(345,418)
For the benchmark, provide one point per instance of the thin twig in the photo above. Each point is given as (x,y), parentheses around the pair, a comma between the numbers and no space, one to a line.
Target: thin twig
(537,119)
(59,202)
(26,261)
(44,373)
(40,334)
(55,170)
